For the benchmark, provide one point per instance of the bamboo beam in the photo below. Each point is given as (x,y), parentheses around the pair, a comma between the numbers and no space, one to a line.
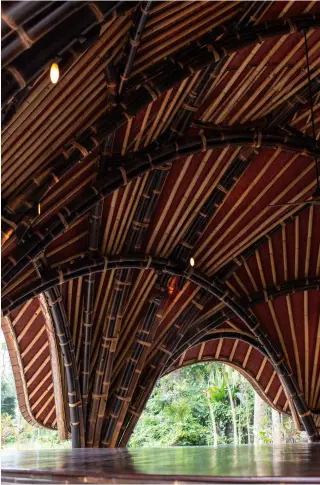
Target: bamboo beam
(134,41)
(84,266)
(17,75)
(98,190)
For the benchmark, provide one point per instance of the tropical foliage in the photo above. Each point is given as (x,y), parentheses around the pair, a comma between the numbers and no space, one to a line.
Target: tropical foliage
(203,404)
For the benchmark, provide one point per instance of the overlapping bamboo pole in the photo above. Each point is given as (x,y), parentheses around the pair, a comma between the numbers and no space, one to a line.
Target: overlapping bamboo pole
(222,39)
(236,39)
(183,258)
(136,165)
(155,366)
(23,210)
(88,306)
(142,340)
(56,44)
(213,287)
(135,237)
(136,32)
(235,171)
(139,368)
(56,365)
(63,334)
(138,227)
(105,361)
(24,24)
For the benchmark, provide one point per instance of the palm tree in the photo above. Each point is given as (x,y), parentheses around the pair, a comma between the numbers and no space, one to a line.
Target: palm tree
(230,378)
(214,393)
(259,411)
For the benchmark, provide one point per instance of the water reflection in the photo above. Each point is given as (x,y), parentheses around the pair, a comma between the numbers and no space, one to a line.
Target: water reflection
(241,461)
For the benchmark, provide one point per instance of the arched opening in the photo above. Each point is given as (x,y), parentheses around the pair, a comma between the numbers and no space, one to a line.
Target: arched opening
(17,432)
(210,404)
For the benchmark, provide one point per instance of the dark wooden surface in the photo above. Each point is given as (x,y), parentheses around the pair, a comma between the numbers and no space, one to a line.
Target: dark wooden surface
(226,464)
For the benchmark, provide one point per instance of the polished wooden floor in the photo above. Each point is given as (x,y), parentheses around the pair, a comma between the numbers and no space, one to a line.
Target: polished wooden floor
(226,464)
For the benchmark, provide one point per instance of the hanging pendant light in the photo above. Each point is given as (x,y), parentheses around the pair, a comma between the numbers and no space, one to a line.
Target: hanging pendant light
(54,73)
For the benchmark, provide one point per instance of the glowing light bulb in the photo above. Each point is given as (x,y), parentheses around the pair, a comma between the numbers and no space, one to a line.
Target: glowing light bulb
(54,73)
(192,262)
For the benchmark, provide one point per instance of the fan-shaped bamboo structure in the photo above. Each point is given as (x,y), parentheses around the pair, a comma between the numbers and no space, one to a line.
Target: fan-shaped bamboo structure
(173,130)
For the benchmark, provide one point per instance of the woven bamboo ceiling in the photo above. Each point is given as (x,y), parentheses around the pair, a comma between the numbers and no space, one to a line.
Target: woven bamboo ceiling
(153,204)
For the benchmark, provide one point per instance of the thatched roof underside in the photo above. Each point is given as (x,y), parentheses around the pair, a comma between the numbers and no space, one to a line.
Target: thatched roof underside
(99,297)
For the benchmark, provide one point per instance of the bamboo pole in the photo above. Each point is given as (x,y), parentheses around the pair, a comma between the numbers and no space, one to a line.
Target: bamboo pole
(250,320)
(29,64)
(65,341)
(68,215)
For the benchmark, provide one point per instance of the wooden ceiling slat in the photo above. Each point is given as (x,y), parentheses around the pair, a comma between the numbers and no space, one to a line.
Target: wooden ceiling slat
(294,340)
(267,223)
(33,341)
(280,82)
(250,84)
(165,52)
(42,396)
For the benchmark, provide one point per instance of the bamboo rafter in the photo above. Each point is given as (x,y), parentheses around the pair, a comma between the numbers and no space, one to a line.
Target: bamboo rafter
(214,288)
(17,73)
(121,176)
(187,133)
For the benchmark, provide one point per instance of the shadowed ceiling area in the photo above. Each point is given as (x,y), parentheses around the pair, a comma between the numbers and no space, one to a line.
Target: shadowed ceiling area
(160,204)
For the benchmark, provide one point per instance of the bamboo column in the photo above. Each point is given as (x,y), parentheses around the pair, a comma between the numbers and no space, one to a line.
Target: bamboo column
(213,287)
(63,334)
(121,395)
(93,239)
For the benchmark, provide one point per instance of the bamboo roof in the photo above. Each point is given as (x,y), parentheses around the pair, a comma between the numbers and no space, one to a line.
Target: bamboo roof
(173,132)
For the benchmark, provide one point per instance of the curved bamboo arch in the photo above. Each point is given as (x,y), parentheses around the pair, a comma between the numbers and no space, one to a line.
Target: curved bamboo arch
(142,162)
(140,399)
(135,411)
(140,92)
(56,368)
(19,375)
(87,266)
(218,290)
(237,366)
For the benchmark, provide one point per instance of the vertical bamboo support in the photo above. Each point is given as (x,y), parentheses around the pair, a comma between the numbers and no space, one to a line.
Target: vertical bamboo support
(63,333)
(88,308)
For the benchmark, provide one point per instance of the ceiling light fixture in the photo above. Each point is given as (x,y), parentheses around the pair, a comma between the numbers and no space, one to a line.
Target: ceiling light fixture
(54,73)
